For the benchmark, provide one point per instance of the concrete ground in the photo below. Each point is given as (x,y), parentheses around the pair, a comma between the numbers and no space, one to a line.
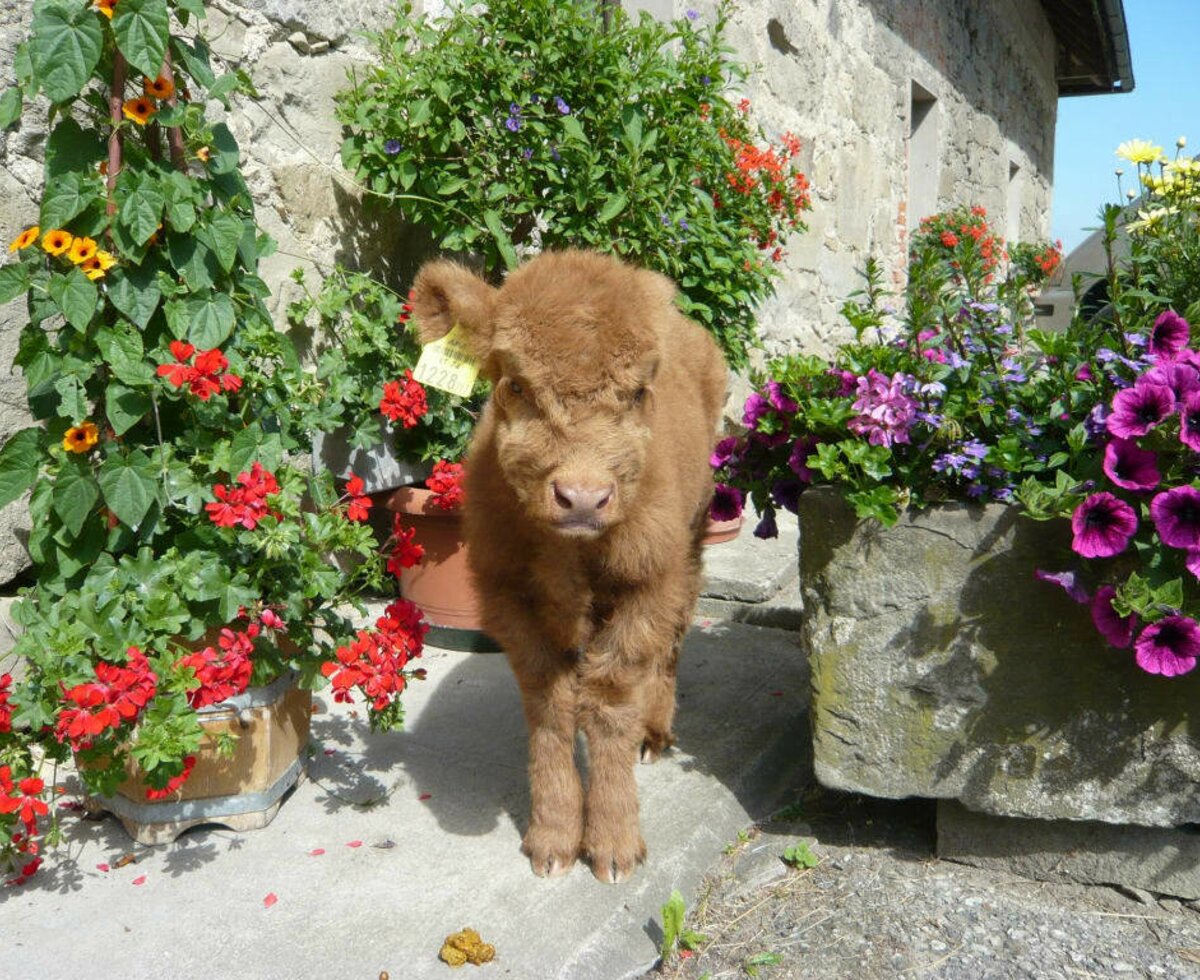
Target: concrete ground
(439,810)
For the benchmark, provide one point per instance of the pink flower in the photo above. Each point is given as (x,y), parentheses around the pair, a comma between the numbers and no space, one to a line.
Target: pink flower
(1117,630)
(886,410)
(1103,525)
(1169,647)
(1169,334)
(1129,466)
(1139,409)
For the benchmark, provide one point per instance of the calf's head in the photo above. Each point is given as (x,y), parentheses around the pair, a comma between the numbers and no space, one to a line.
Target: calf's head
(571,344)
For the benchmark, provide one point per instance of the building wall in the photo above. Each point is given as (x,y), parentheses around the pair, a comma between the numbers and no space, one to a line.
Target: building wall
(839,73)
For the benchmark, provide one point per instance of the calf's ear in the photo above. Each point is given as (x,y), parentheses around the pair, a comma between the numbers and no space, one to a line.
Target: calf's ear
(445,294)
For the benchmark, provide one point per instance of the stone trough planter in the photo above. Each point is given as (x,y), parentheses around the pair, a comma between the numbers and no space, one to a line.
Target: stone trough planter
(942,668)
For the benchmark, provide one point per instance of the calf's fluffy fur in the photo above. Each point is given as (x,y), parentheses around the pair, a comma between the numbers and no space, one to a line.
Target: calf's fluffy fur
(588,487)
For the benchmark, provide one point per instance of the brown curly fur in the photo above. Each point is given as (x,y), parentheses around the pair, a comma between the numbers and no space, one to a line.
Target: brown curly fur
(600,384)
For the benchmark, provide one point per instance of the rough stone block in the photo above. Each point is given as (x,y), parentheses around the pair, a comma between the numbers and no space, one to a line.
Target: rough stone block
(942,668)
(749,570)
(1165,860)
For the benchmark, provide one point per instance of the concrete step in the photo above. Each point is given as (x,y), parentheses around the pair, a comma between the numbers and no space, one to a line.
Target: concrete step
(749,580)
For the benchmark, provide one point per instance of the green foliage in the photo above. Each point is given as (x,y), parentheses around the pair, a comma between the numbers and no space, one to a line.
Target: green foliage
(676,935)
(533,123)
(799,856)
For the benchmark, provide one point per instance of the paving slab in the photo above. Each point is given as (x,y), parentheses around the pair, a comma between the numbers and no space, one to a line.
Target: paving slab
(750,570)
(439,810)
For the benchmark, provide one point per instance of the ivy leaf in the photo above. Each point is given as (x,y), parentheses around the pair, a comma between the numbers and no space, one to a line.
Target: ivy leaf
(10,106)
(121,348)
(210,320)
(76,295)
(125,407)
(129,486)
(65,47)
(134,290)
(20,460)
(142,28)
(63,199)
(75,494)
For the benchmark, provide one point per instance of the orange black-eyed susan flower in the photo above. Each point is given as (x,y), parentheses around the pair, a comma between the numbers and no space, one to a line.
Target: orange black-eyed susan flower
(82,249)
(158,88)
(106,259)
(139,110)
(57,241)
(25,239)
(94,268)
(204,154)
(81,438)
(105,7)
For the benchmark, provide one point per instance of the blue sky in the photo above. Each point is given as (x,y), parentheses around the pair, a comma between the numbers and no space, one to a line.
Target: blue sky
(1164,105)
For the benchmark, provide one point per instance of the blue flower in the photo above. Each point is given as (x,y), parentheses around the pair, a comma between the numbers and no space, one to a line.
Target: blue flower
(527,153)
(692,14)
(392,147)
(561,105)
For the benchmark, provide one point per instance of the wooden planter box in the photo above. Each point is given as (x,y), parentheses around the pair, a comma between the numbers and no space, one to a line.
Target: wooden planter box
(243,791)
(942,668)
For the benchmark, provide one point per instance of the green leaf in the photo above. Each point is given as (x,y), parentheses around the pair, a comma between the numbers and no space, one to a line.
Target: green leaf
(193,7)
(134,290)
(129,486)
(141,28)
(192,260)
(10,106)
(195,58)
(672,922)
(210,320)
(14,280)
(125,407)
(76,295)
(251,445)
(72,148)
(75,494)
(20,460)
(224,233)
(65,47)
(225,153)
(503,242)
(612,207)
(141,210)
(574,129)
(64,198)
(121,347)
(73,399)
(799,856)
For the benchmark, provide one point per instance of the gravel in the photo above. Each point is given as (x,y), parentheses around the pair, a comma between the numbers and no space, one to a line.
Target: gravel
(880,904)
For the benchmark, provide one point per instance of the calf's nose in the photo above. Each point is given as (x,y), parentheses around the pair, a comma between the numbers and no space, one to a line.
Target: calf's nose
(577,498)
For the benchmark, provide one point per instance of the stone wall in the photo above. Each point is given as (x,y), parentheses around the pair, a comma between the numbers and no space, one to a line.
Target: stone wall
(837,72)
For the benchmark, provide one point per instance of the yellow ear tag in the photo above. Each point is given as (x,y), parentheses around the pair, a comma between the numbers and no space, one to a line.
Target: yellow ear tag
(447,364)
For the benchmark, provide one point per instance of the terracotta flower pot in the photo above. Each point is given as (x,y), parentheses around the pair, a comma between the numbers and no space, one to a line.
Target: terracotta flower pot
(242,791)
(718,532)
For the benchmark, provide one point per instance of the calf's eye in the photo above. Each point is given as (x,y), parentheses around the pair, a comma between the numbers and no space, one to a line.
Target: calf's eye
(515,387)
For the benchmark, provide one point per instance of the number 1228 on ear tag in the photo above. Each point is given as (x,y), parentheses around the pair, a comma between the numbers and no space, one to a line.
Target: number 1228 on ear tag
(447,364)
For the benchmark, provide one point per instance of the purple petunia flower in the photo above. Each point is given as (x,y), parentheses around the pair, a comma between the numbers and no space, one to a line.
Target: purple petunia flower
(1130,466)
(847,381)
(724,452)
(755,408)
(1117,630)
(1179,377)
(1169,647)
(1176,516)
(1189,430)
(1169,334)
(779,401)
(886,410)
(561,105)
(1084,372)
(727,503)
(786,493)
(527,153)
(767,528)
(1193,562)
(392,147)
(1067,581)
(803,448)
(1102,525)
(1096,423)
(1139,409)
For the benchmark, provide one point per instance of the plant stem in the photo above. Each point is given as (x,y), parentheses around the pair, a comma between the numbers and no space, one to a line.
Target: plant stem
(116,141)
(174,133)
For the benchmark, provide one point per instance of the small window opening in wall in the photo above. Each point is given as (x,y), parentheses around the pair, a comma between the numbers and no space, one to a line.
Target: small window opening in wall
(1012,217)
(922,155)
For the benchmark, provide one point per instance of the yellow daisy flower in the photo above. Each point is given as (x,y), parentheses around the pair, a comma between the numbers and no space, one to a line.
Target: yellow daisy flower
(81,438)
(58,241)
(1140,151)
(25,239)
(139,110)
(82,249)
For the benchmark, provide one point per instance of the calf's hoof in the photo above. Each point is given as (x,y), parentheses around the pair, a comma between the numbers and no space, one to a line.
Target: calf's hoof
(614,861)
(550,853)
(655,744)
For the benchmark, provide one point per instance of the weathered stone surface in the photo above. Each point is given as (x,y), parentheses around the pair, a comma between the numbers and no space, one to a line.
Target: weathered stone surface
(942,668)
(751,570)
(1164,860)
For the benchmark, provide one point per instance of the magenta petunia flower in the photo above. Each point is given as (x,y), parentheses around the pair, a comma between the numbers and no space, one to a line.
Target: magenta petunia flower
(1193,562)
(1084,372)
(1189,413)
(803,448)
(1181,378)
(1117,630)
(1103,525)
(725,451)
(727,503)
(1169,647)
(1139,409)
(1169,334)
(1130,466)
(1176,516)
(778,400)
(1067,581)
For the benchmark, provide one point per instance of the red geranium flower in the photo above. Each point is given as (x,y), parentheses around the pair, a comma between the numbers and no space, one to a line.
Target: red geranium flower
(406,553)
(360,504)
(246,504)
(446,484)
(404,401)
(5,707)
(26,802)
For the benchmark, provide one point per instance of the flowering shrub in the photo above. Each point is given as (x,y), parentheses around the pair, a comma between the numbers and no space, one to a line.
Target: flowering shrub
(179,553)
(363,384)
(954,398)
(590,131)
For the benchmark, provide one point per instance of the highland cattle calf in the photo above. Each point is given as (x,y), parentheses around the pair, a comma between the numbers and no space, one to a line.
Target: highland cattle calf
(588,487)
